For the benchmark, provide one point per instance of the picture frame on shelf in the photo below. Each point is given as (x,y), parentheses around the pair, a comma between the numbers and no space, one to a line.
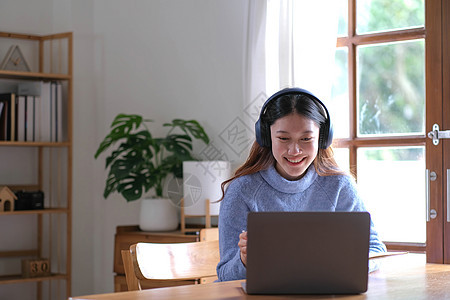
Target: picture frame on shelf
(14,60)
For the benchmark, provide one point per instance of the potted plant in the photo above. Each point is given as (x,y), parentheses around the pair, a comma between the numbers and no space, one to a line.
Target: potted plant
(139,161)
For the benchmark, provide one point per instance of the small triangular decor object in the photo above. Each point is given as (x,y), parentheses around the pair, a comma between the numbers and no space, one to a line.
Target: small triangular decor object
(14,60)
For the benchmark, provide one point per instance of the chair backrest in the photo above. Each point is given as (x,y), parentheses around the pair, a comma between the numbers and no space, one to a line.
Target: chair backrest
(132,281)
(170,262)
(209,234)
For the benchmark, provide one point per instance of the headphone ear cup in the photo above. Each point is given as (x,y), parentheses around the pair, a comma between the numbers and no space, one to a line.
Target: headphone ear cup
(258,133)
(265,135)
(330,135)
(262,134)
(326,135)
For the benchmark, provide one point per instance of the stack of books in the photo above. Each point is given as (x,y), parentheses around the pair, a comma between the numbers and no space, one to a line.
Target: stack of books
(33,114)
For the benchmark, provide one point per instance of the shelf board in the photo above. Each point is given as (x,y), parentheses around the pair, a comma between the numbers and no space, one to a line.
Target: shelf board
(19,253)
(33,75)
(7,279)
(59,210)
(34,144)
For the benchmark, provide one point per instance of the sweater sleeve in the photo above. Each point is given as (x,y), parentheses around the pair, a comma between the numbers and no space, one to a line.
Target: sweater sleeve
(232,221)
(349,200)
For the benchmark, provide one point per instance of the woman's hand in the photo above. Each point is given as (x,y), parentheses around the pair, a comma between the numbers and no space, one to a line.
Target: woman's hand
(243,247)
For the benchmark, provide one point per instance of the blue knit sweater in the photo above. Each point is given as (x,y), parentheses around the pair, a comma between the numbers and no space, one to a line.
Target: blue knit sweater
(269,191)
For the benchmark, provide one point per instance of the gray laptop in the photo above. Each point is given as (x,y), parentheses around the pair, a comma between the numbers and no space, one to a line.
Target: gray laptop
(307,252)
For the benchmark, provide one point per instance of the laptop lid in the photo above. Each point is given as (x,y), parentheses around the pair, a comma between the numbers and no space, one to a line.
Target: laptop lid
(307,252)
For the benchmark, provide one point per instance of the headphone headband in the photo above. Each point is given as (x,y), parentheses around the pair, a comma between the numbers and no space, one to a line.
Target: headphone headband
(263,134)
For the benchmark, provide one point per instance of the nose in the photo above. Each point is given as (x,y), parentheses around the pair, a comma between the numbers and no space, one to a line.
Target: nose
(294,148)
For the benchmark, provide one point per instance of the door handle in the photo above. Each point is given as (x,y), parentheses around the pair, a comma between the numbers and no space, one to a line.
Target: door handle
(430,213)
(437,134)
(427,194)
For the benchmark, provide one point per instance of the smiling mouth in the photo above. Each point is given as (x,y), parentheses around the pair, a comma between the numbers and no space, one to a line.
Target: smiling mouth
(296,161)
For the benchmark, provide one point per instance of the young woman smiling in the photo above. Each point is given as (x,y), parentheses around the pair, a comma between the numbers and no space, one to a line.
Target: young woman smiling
(290,168)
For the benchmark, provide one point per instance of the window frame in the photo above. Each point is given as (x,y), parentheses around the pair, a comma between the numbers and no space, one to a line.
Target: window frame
(353,142)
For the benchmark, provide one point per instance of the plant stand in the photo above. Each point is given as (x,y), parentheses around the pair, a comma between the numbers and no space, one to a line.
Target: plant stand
(183,217)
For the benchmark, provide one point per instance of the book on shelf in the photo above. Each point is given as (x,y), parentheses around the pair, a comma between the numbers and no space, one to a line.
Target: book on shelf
(58,133)
(3,120)
(44,109)
(27,123)
(9,124)
(21,118)
(30,124)
(45,112)
(34,117)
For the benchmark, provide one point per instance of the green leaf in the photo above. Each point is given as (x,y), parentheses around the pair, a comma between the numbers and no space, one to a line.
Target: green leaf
(125,123)
(191,127)
(121,168)
(115,154)
(111,185)
(178,143)
(121,127)
(131,188)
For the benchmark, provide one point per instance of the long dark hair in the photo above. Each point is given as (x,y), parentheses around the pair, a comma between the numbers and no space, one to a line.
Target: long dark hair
(261,158)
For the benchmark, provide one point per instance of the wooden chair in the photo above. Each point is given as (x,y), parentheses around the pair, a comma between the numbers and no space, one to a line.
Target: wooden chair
(170,264)
(209,234)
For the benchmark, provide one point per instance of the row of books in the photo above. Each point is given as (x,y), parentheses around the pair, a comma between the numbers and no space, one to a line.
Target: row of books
(34,114)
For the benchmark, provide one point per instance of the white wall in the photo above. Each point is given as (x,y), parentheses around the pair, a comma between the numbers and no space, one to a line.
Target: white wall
(164,59)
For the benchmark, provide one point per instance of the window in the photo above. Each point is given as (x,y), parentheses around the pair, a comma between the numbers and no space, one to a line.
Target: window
(378,110)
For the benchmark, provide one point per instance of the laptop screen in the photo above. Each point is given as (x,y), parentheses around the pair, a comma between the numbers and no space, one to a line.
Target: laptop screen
(307,252)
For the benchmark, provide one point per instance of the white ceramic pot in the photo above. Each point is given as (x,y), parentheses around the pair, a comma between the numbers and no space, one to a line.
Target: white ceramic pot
(158,214)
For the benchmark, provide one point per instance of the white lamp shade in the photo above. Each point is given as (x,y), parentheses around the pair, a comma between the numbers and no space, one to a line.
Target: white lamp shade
(201,181)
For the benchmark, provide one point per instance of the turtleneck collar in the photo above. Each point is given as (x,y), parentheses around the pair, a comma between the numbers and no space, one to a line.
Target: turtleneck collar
(275,180)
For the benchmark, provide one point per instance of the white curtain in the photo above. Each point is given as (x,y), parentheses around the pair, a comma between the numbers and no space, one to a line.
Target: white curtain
(289,43)
(255,68)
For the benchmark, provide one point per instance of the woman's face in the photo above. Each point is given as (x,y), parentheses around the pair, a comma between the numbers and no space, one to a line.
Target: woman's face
(295,142)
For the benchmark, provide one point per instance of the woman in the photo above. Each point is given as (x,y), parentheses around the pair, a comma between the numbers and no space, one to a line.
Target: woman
(290,168)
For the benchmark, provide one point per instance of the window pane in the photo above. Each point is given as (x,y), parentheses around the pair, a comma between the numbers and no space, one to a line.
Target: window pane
(392,183)
(382,15)
(343,18)
(391,88)
(339,106)
(341,155)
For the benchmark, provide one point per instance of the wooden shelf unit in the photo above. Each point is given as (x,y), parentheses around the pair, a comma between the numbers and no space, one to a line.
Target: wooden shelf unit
(52,57)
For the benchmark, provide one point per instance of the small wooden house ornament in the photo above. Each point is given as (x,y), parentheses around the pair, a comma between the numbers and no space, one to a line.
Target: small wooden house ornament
(7,198)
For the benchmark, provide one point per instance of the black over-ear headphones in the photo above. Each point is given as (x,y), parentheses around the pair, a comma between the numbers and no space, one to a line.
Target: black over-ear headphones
(262,131)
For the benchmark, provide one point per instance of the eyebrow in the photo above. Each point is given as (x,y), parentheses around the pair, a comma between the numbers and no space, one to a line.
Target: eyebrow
(283,131)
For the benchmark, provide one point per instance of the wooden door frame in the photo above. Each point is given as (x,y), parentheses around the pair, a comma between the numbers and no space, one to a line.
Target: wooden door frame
(446,123)
(436,17)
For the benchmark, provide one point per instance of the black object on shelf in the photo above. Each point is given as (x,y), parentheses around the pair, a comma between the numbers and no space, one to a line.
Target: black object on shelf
(29,200)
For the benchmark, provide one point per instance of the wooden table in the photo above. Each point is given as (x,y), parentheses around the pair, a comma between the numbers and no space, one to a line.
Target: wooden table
(399,277)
